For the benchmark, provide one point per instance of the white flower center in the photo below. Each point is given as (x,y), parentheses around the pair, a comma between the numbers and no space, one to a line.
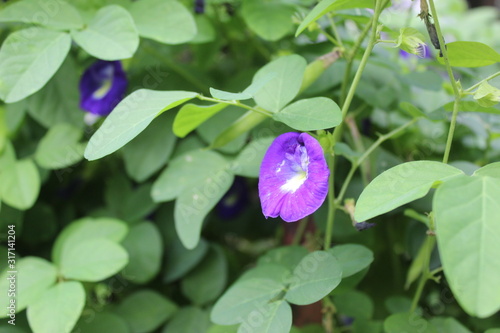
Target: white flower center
(294,183)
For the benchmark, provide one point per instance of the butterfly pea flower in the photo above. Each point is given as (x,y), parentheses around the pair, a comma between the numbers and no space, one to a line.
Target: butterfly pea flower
(293,178)
(102,86)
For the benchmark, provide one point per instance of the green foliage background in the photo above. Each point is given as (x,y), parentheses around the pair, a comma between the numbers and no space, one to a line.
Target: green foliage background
(118,225)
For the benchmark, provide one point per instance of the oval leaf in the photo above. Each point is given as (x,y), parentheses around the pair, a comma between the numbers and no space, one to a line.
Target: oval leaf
(467,228)
(28,59)
(144,246)
(34,276)
(59,148)
(315,276)
(145,310)
(58,309)
(92,260)
(191,116)
(130,118)
(141,163)
(287,73)
(311,114)
(110,35)
(58,15)
(20,184)
(167,22)
(470,54)
(400,185)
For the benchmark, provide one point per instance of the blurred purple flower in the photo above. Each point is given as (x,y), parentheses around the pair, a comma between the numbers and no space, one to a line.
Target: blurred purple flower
(422,51)
(293,180)
(102,87)
(199,6)
(234,201)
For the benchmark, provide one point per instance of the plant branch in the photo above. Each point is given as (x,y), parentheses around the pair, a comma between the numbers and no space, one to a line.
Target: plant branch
(235,103)
(367,153)
(456,89)
(492,76)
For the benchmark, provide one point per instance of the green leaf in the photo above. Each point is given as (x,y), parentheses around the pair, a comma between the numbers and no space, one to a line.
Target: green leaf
(86,229)
(326,6)
(92,260)
(286,256)
(59,148)
(141,163)
(491,170)
(353,258)
(167,22)
(238,128)
(20,184)
(471,106)
(400,185)
(144,246)
(34,276)
(311,114)
(467,229)
(412,110)
(270,20)
(188,320)
(248,162)
(354,304)
(28,59)
(205,31)
(180,260)
(145,310)
(207,280)
(448,325)
(130,118)
(315,276)
(487,95)
(58,309)
(191,116)
(110,35)
(57,15)
(288,72)
(195,202)
(101,322)
(129,204)
(57,102)
(252,292)
(470,54)
(186,171)
(248,93)
(211,129)
(409,323)
(277,319)
(223,329)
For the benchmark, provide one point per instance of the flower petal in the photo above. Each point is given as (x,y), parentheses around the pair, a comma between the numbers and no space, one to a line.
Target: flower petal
(293,180)
(102,87)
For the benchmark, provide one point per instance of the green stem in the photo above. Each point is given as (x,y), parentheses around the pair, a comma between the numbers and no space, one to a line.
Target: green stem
(456,89)
(357,77)
(430,241)
(451,132)
(335,31)
(350,60)
(367,153)
(492,76)
(235,103)
(329,37)
(299,232)
(330,220)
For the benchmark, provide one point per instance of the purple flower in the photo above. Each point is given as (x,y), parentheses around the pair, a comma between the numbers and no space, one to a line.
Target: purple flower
(421,51)
(102,87)
(293,180)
